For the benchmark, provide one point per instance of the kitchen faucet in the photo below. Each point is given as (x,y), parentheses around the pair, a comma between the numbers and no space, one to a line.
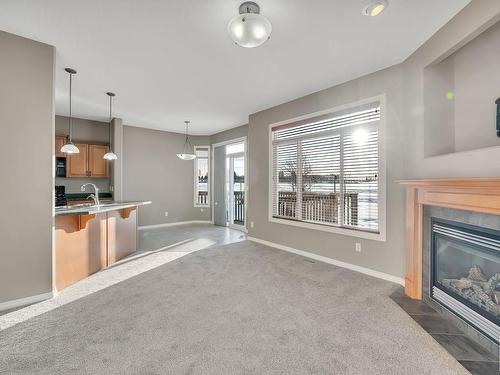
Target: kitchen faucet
(95,196)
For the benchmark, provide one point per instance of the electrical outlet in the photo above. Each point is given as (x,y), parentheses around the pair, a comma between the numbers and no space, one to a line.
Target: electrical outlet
(358,247)
(251,224)
(166,213)
(201,209)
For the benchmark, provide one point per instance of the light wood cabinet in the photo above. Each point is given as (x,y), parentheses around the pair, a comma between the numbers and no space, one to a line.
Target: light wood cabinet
(89,162)
(77,164)
(86,244)
(98,167)
(60,139)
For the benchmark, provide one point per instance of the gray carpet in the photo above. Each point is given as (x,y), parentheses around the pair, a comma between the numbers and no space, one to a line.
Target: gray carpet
(241,308)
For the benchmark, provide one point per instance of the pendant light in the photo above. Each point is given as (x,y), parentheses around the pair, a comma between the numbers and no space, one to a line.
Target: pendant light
(250,29)
(188,150)
(69,147)
(110,155)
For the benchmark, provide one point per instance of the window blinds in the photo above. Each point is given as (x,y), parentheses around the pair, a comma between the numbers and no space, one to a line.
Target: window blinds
(326,171)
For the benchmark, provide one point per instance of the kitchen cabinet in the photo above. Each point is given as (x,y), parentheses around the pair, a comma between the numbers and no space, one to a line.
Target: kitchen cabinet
(77,164)
(89,162)
(60,139)
(98,166)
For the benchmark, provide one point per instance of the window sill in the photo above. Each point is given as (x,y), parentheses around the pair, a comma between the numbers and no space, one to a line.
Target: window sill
(202,206)
(331,229)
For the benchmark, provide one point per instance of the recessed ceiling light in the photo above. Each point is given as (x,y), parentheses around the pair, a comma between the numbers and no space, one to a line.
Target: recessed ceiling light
(375,8)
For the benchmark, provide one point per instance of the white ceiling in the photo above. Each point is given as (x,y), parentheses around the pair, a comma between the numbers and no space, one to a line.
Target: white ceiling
(171,60)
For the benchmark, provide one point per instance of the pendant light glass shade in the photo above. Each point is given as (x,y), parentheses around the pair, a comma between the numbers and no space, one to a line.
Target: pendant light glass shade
(187,150)
(69,147)
(250,29)
(110,155)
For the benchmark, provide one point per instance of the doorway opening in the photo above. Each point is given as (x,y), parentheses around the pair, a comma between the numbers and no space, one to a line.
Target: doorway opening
(230,184)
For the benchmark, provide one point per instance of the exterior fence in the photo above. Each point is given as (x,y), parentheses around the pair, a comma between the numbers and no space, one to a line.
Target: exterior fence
(319,206)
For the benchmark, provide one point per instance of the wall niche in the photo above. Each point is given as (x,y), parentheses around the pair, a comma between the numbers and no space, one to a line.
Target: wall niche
(459,97)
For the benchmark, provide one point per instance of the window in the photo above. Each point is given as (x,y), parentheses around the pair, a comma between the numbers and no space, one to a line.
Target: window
(201,173)
(326,172)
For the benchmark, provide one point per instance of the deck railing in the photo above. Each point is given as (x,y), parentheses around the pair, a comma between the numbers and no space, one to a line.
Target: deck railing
(239,207)
(319,206)
(202,197)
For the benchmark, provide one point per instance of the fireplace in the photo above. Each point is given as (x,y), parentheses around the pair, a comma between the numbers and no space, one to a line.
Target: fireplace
(465,273)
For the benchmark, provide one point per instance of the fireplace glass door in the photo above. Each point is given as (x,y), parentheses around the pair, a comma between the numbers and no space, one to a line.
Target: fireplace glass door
(466,268)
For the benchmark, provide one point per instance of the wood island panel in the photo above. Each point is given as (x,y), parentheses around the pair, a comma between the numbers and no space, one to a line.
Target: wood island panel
(87,243)
(122,233)
(80,250)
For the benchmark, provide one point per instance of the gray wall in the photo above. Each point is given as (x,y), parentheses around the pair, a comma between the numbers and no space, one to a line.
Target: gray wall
(477,86)
(26,119)
(382,256)
(468,24)
(83,130)
(227,135)
(404,88)
(152,171)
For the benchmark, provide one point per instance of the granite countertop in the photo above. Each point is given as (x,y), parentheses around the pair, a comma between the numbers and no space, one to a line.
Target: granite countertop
(88,209)
(83,196)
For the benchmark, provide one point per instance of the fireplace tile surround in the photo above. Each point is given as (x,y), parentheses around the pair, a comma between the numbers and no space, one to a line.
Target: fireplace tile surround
(462,216)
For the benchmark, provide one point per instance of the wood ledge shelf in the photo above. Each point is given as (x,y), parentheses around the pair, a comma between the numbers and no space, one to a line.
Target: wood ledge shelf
(469,194)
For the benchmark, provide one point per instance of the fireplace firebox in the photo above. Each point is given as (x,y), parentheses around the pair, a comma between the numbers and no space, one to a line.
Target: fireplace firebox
(465,273)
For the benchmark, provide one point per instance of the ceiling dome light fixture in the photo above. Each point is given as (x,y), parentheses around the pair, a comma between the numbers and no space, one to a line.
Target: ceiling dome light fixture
(69,147)
(110,155)
(375,8)
(187,150)
(250,29)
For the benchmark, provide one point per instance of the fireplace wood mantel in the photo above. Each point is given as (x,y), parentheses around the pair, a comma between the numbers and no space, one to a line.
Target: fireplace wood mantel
(470,194)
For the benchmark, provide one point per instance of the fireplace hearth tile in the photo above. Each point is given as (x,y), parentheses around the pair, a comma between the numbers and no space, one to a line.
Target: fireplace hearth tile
(442,326)
(414,307)
(481,367)
(435,324)
(464,348)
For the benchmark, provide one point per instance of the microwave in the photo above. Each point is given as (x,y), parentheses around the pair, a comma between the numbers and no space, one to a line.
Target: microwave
(60,167)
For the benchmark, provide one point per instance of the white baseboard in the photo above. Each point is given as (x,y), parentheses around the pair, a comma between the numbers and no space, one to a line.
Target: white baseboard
(174,224)
(25,301)
(352,267)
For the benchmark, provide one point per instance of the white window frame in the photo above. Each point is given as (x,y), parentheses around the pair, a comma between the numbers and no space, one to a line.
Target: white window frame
(195,178)
(354,232)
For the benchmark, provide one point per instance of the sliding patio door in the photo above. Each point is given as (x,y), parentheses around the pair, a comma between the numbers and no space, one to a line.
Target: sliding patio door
(229,184)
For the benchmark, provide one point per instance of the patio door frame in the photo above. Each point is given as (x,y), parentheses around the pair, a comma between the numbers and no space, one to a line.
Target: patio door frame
(221,144)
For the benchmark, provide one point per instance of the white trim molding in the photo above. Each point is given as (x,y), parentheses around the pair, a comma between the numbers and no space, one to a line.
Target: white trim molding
(175,224)
(21,302)
(321,258)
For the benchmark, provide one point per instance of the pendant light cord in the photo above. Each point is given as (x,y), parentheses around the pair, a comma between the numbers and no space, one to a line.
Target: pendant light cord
(110,104)
(186,142)
(70,89)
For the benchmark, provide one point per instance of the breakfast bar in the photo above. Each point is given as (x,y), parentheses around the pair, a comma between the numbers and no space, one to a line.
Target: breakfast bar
(91,237)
